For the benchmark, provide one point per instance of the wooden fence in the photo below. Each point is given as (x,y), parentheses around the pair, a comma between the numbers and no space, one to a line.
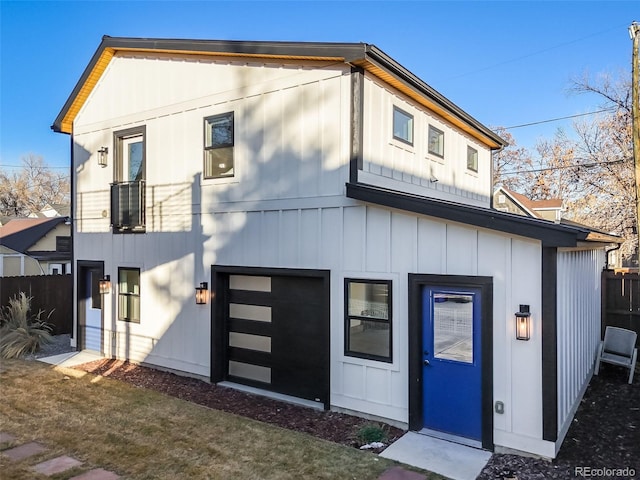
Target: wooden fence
(49,292)
(621,301)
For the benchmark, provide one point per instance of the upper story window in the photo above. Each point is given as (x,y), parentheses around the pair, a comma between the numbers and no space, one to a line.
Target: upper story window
(128,189)
(402,126)
(472,159)
(436,141)
(368,319)
(218,146)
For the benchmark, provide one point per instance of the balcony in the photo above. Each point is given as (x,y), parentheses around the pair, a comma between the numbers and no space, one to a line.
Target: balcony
(128,207)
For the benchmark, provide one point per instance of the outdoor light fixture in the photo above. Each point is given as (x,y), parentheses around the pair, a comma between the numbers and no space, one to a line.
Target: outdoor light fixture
(202,293)
(523,323)
(102,156)
(105,285)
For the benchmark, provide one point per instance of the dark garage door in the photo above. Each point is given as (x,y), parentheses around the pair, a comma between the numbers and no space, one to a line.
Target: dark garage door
(272,330)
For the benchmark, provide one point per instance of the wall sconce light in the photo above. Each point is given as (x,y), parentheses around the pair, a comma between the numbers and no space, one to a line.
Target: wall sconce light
(102,156)
(523,323)
(202,293)
(105,285)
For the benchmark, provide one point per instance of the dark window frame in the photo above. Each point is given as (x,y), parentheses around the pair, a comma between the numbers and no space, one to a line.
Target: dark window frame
(118,139)
(209,147)
(408,141)
(472,166)
(121,183)
(138,295)
(348,318)
(441,134)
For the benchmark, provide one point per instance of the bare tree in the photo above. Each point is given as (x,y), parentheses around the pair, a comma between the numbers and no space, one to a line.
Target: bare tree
(604,149)
(511,164)
(31,188)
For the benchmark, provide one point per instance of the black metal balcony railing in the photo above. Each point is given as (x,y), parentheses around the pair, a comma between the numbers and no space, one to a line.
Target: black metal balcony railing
(128,206)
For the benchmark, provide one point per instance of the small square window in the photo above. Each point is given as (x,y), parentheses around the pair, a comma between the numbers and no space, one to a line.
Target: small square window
(368,319)
(402,126)
(472,159)
(218,146)
(436,142)
(129,294)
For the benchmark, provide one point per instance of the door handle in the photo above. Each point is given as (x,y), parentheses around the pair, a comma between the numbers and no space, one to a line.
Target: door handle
(426,362)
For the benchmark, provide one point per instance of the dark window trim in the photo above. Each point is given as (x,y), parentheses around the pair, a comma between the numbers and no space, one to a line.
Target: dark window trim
(431,127)
(348,318)
(549,344)
(475,151)
(118,137)
(139,295)
(207,148)
(400,139)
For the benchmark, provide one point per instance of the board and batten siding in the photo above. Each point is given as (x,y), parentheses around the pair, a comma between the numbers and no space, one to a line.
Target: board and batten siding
(394,164)
(578,327)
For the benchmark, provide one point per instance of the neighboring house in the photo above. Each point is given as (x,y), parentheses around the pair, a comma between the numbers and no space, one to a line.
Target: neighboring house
(551,209)
(35,246)
(55,210)
(337,212)
(507,200)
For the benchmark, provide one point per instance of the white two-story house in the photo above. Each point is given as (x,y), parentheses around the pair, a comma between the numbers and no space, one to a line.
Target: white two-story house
(333,211)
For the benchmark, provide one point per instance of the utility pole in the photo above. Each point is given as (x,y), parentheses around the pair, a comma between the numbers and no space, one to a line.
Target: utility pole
(634,33)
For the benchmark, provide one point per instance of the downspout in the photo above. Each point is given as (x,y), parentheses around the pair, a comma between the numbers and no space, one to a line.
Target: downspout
(606,254)
(493,186)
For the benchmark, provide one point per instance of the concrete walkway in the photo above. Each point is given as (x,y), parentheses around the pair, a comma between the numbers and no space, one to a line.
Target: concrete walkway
(71,359)
(452,460)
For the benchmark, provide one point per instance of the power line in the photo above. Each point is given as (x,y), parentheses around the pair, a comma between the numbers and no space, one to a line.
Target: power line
(579,165)
(23,166)
(559,118)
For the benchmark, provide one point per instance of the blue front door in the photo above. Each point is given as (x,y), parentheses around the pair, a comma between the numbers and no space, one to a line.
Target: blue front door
(452,381)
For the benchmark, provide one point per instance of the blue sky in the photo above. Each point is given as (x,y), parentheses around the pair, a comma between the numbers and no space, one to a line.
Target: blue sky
(505,62)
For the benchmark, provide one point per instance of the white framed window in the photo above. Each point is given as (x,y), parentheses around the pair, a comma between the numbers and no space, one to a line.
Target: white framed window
(218,146)
(436,141)
(368,319)
(472,159)
(402,126)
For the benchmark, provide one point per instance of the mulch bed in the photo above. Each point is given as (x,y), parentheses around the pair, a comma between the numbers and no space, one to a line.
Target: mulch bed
(605,434)
(332,426)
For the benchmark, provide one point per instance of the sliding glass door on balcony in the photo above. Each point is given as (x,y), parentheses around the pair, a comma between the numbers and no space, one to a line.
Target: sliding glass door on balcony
(128,190)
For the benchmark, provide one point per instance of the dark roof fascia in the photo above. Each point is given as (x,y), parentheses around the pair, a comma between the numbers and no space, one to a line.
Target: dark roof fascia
(551,234)
(348,51)
(49,256)
(375,55)
(21,241)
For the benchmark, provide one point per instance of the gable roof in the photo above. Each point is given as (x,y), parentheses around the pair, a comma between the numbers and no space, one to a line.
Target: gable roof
(551,234)
(362,55)
(531,206)
(21,233)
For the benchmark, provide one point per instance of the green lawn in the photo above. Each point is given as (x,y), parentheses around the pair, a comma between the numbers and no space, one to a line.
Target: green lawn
(142,434)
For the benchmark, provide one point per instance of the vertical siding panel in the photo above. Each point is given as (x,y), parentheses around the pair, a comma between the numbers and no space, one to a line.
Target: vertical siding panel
(269,246)
(309,236)
(578,333)
(332,236)
(289,238)
(432,241)
(354,226)
(404,245)
(378,233)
